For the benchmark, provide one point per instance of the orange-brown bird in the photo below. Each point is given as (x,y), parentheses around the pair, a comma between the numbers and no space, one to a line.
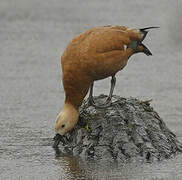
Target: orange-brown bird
(93,55)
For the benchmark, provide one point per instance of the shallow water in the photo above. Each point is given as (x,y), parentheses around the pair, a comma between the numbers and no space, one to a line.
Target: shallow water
(33,34)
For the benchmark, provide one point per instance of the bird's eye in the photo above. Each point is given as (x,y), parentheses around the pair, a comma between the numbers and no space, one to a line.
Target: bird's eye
(63,126)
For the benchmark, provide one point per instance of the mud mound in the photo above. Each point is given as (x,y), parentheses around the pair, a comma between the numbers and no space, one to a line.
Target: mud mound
(129,128)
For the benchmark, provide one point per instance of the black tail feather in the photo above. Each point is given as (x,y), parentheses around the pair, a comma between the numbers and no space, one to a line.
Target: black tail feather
(152,27)
(144,35)
(143,30)
(146,50)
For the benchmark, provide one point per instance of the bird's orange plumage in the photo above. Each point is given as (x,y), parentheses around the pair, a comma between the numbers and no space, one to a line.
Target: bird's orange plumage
(92,55)
(95,54)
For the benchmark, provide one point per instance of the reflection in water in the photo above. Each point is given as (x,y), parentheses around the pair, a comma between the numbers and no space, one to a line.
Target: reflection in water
(77,169)
(70,166)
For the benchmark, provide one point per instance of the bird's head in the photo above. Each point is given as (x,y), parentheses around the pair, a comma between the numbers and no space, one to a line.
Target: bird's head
(66,119)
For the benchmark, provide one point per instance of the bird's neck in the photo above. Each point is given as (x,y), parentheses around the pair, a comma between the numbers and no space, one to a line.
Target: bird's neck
(69,110)
(73,101)
(75,96)
(69,107)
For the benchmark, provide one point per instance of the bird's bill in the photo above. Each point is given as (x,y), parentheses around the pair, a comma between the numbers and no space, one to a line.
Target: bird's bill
(57,139)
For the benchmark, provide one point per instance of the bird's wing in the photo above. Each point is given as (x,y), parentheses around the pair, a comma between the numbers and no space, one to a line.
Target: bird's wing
(109,38)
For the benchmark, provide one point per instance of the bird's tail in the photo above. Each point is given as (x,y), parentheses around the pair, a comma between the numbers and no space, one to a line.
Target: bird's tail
(144,31)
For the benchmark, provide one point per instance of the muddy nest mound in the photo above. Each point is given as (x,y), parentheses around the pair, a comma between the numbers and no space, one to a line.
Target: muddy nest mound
(129,128)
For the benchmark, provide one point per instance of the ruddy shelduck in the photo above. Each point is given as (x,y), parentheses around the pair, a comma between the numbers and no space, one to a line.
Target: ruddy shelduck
(95,54)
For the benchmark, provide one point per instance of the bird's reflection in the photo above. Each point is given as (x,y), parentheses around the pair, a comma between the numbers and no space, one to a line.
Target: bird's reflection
(70,166)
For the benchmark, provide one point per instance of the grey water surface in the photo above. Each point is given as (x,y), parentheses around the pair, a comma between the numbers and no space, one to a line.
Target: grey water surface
(33,35)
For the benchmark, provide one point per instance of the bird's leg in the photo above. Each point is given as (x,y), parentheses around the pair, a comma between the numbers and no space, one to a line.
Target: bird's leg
(113,83)
(90,99)
(108,100)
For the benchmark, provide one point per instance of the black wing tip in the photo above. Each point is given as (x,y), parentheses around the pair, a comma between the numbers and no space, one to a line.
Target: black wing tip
(146,50)
(151,27)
